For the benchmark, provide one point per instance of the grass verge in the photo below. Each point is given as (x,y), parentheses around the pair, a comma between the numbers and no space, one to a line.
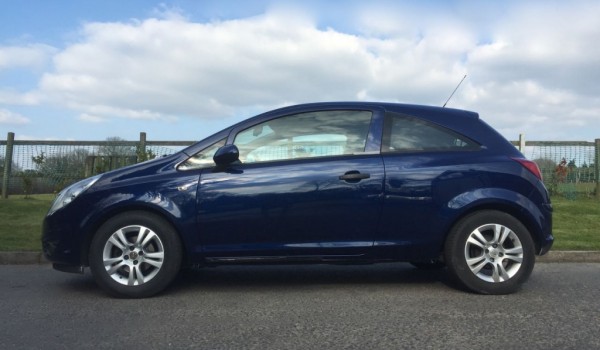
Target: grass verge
(576,223)
(21,222)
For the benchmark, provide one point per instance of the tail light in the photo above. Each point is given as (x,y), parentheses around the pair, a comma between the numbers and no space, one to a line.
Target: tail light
(531,166)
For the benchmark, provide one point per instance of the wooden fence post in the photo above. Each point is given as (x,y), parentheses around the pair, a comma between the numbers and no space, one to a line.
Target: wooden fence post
(141,154)
(10,139)
(521,143)
(597,166)
(89,165)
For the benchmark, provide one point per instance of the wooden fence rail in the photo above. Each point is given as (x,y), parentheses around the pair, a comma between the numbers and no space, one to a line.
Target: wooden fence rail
(98,163)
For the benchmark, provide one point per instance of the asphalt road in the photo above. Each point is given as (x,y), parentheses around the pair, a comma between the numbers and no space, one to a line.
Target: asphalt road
(387,306)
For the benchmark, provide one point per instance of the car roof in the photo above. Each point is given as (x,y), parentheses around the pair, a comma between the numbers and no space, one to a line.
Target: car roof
(402,108)
(462,121)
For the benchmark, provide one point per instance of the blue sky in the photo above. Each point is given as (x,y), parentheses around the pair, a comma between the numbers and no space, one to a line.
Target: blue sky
(180,70)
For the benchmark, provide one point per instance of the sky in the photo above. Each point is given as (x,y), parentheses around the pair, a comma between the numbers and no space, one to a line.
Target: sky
(182,70)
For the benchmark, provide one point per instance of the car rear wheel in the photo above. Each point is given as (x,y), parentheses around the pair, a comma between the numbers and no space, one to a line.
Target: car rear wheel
(490,252)
(135,254)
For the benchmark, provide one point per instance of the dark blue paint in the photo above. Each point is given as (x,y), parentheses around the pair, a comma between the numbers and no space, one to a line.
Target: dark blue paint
(291,208)
(301,210)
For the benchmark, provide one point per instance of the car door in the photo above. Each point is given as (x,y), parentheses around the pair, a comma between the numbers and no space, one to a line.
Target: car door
(307,185)
(426,165)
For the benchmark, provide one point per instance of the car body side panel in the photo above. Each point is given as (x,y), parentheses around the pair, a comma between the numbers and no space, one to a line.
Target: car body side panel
(425,194)
(298,207)
(151,187)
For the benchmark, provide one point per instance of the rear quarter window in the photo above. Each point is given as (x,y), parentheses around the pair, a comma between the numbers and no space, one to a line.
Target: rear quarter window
(409,134)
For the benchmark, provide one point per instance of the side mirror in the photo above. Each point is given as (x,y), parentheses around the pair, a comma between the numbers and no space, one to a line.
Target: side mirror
(226,155)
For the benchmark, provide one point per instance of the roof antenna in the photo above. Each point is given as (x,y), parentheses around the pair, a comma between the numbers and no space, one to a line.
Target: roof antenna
(452,94)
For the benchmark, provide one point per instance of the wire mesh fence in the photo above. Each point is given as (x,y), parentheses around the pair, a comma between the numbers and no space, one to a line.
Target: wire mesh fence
(569,169)
(48,166)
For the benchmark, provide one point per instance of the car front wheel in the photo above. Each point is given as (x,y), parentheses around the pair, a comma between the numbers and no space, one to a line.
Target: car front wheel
(490,252)
(135,254)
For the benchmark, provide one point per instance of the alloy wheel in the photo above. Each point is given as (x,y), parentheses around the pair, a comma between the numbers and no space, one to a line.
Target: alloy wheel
(133,255)
(493,253)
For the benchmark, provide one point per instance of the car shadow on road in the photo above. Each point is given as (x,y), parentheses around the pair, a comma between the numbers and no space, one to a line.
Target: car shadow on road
(83,285)
(285,276)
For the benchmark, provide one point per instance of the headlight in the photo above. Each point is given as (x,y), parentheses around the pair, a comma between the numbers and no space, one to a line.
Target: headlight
(67,195)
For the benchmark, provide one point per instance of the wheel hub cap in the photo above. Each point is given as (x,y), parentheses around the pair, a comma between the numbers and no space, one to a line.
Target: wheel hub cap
(133,255)
(493,253)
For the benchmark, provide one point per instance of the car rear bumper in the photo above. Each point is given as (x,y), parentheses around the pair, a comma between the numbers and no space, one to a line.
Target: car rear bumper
(548,239)
(546,245)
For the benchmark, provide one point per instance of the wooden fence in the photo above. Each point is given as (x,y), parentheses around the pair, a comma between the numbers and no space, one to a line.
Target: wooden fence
(47,166)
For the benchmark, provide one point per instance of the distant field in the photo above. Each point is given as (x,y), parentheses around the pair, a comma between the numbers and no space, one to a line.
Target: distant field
(576,223)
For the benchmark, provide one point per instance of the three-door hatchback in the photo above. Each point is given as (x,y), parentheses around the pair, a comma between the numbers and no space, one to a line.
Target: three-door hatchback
(338,182)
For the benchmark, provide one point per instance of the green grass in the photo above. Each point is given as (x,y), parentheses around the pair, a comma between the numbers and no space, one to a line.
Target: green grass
(576,223)
(21,222)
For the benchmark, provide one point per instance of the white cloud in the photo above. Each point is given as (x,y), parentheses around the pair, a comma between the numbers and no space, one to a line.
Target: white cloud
(23,137)
(532,67)
(8,117)
(35,55)
(159,68)
(91,118)
(551,44)
(10,97)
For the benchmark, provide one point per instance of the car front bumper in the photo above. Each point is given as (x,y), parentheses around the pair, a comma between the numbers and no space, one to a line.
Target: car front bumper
(59,243)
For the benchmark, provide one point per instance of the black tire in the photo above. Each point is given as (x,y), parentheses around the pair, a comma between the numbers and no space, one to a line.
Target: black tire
(428,265)
(500,250)
(143,268)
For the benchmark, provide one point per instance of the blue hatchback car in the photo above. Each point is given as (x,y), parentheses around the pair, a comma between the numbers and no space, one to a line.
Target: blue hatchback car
(339,182)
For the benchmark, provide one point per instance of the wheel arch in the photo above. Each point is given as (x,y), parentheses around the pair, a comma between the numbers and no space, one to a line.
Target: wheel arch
(93,226)
(514,204)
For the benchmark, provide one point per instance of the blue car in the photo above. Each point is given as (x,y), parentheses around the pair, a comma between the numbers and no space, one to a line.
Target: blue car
(336,182)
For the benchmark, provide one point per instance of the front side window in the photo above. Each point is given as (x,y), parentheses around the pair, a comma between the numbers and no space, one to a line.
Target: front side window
(407,134)
(305,135)
(203,158)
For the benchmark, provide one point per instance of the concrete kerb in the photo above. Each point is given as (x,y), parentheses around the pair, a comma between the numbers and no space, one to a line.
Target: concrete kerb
(22,258)
(31,258)
(560,256)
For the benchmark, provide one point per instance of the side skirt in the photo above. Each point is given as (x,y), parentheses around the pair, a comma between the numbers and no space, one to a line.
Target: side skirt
(258,260)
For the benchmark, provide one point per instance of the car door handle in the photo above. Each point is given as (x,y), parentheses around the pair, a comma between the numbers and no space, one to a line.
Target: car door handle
(354,176)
